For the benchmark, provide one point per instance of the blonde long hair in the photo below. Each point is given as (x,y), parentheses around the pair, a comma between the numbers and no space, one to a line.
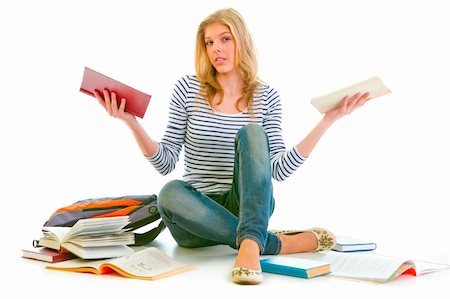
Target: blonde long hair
(245,57)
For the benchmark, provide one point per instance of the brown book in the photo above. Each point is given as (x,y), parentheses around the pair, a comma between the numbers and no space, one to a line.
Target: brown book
(47,255)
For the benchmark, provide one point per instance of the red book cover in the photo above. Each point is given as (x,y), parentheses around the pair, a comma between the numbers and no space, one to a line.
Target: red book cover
(137,101)
(46,255)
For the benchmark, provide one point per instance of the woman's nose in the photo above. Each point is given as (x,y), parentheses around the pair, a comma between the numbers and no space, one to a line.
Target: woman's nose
(217,48)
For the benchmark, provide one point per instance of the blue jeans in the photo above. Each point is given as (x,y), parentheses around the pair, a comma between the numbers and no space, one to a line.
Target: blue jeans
(196,219)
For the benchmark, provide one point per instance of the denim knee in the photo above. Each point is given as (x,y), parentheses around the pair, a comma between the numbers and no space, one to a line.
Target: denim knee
(187,242)
(167,198)
(252,131)
(180,198)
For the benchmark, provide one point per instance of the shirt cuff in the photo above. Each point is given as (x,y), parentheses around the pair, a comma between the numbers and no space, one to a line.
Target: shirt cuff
(299,157)
(156,156)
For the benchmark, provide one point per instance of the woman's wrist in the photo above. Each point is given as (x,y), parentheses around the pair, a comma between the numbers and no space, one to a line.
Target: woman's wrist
(132,123)
(326,122)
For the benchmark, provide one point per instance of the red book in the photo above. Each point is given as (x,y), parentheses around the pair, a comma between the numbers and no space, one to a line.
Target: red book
(137,101)
(47,255)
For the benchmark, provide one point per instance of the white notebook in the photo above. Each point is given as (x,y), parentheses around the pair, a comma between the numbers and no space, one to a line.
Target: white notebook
(329,101)
(349,244)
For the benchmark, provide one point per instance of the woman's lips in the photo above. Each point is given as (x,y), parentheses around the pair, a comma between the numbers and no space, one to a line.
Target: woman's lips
(219,60)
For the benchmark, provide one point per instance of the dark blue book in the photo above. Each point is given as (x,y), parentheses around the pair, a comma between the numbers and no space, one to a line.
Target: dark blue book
(297,267)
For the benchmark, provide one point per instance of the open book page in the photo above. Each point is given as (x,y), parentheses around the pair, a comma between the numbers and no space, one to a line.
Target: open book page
(419,268)
(92,232)
(78,265)
(425,267)
(100,252)
(55,233)
(125,238)
(92,227)
(367,266)
(150,263)
(362,266)
(329,101)
(99,226)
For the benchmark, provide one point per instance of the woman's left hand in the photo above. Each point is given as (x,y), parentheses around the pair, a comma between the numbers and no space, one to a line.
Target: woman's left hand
(347,106)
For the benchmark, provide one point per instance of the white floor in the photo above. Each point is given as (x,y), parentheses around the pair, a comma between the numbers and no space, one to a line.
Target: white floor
(209,279)
(382,173)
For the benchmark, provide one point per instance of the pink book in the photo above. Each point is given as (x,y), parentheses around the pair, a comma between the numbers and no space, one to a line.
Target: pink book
(47,255)
(137,101)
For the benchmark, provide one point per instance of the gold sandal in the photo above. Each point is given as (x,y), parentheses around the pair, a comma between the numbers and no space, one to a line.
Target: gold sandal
(243,275)
(326,240)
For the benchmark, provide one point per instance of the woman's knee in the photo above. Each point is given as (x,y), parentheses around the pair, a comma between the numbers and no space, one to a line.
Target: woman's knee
(194,242)
(187,243)
(253,134)
(170,194)
(251,130)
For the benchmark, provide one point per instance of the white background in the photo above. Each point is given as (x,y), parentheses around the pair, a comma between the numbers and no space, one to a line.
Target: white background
(381,173)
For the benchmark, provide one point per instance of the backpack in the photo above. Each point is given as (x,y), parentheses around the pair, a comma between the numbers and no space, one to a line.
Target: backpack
(141,209)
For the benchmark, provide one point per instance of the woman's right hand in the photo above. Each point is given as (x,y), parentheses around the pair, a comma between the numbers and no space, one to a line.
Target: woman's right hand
(109,102)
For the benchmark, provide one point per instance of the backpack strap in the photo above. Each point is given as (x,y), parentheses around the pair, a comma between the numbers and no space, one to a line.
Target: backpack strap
(144,238)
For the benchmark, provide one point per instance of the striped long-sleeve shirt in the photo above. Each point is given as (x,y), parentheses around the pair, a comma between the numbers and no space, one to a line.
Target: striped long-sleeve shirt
(208,137)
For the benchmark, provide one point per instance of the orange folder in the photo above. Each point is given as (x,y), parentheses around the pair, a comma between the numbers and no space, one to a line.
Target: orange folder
(137,101)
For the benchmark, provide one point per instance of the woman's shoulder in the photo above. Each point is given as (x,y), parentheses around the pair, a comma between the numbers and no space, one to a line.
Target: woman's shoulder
(266,92)
(190,81)
(187,85)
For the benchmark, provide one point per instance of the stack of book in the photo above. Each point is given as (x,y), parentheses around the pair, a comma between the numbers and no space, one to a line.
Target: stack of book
(95,238)
(99,246)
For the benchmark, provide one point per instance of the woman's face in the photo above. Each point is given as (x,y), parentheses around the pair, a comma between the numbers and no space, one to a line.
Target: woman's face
(220,47)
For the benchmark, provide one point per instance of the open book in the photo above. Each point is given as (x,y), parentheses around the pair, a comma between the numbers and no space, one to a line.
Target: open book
(150,263)
(331,100)
(93,238)
(370,266)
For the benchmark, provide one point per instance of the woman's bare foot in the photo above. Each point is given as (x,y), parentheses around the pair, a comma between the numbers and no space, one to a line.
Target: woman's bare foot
(302,242)
(248,255)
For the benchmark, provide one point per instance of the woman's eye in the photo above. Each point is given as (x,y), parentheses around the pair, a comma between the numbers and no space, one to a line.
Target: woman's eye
(208,42)
(227,38)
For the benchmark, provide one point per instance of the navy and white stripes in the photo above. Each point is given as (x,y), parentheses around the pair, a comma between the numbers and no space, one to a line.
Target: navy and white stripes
(208,137)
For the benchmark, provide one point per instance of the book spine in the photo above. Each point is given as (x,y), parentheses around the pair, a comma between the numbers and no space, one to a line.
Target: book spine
(277,269)
(87,92)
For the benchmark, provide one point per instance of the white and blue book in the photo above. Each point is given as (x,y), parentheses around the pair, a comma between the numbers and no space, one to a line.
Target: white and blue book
(297,267)
(349,244)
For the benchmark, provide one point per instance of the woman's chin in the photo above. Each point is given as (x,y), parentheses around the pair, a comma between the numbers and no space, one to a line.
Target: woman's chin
(223,70)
